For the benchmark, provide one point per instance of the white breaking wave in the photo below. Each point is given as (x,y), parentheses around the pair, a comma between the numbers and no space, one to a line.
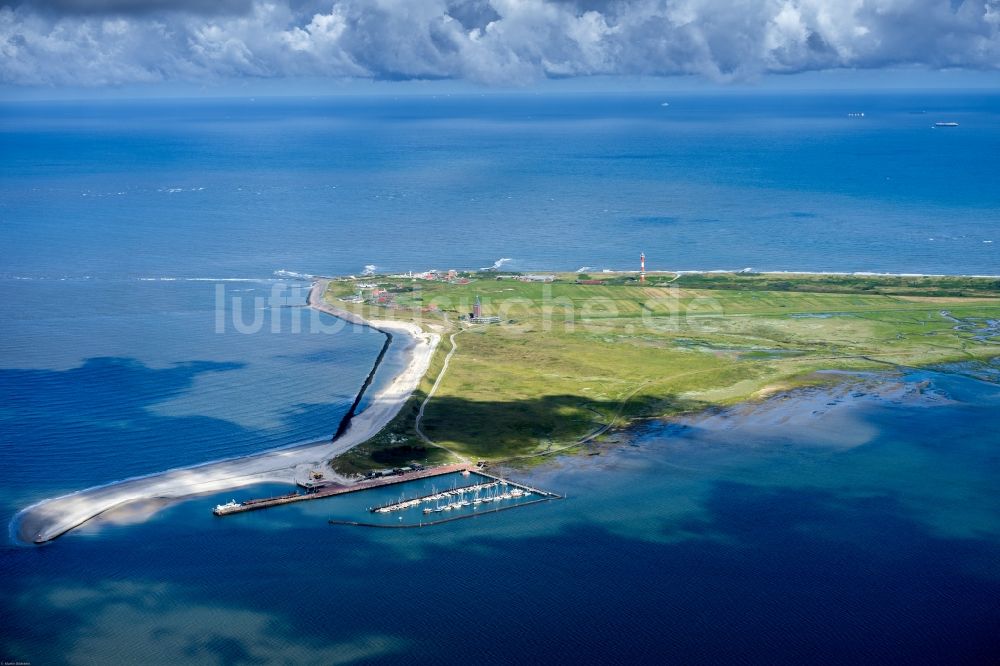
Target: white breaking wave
(369,269)
(240,279)
(498,264)
(174,190)
(293,274)
(43,278)
(205,279)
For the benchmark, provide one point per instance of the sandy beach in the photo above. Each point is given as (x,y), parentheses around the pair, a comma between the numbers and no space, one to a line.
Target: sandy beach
(51,518)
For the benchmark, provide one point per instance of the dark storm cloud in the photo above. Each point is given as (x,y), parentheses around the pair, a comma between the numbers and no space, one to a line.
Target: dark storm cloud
(101,42)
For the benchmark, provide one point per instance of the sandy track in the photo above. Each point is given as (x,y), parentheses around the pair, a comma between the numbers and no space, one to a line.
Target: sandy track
(51,518)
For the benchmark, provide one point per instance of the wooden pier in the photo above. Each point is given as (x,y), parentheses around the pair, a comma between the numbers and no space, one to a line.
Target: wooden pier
(333,489)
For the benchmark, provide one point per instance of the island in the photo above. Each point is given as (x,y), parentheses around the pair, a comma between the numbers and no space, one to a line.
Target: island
(500,368)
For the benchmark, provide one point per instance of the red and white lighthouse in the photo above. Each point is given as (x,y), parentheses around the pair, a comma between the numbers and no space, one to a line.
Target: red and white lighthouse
(642,266)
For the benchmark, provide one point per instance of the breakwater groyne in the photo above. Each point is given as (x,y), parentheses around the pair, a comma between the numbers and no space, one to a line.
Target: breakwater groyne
(318,289)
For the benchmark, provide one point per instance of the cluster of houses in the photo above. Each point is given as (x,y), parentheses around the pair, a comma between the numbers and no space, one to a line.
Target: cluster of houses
(369,292)
(454,277)
(395,471)
(451,276)
(376,294)
(528,278)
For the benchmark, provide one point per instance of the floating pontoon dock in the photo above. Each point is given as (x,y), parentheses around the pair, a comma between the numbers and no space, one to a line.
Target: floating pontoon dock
(441,521)
(448,493)
(536,491)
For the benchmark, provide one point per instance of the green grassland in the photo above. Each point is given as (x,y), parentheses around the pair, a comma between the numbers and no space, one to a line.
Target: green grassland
(571,360)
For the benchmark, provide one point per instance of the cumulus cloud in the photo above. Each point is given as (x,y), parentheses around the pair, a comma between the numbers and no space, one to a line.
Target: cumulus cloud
(111,42)
(134,6)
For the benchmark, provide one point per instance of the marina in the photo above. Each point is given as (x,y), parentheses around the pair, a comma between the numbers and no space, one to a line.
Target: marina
(458,498)
(489,495)
(440,521)
(455,492)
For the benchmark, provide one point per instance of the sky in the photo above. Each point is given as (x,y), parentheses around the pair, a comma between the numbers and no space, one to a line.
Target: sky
(104,46)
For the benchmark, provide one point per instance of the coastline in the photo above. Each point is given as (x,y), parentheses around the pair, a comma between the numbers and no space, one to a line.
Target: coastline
(792,273)
(51,518)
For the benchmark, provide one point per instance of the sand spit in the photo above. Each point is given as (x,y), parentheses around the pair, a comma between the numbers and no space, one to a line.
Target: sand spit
(51,518)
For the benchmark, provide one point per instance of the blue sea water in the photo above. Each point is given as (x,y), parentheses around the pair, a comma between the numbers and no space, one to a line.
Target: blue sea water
(242,187)
(119,222)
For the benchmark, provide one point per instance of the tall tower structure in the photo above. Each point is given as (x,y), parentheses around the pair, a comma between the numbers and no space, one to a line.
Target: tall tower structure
(642,266)
(477,308)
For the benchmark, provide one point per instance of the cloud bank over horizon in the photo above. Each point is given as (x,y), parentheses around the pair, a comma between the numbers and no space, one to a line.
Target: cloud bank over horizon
(492,42)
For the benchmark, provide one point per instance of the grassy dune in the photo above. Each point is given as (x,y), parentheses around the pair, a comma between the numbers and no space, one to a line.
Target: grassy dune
(570,359)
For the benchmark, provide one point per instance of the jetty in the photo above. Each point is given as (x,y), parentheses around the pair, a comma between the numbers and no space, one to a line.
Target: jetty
(332,488)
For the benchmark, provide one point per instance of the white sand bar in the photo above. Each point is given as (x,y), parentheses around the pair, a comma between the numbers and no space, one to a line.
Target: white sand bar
(51,518)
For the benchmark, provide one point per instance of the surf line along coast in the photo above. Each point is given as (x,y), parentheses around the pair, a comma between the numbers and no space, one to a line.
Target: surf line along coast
(53,517)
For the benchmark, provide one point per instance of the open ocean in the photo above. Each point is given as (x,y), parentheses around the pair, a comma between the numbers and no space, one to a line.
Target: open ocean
(119,222)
